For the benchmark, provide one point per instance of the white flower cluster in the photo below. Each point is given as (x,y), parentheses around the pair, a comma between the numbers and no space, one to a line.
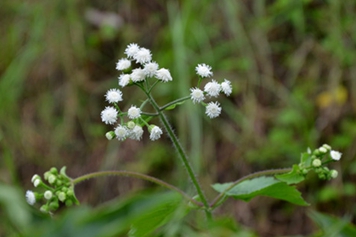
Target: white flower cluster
(147,69)
(211,89)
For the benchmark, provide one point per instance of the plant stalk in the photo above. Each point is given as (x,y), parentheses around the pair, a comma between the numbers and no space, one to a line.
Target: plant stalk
(135,175)
(183,156)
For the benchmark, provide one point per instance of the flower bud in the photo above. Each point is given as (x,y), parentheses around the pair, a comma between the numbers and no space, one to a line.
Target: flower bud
(327,147)
(323,150)
(62,196)
(37,182)
(110,135)
(48,195)
(317,163)
(131,124)
(333,174)
(51,179)
(35,177)
(53,170)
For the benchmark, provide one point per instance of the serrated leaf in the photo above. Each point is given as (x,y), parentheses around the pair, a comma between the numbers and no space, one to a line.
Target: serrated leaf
(174,105)
(292,177)
(262,186)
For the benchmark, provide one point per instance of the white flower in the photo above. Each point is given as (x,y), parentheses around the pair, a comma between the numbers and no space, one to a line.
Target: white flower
(212,88)
(134,112)
(138,75)
(136,133)
(213,109)
(143,55)
(155,133)
(124,80)
(335,155)
(196,95)
(113,95)
(123,64)
(203,70)
(30,197)
(48,195)
(164,75)
(121,132)
(131,50)
(226,87)
(150,69)
(109,115)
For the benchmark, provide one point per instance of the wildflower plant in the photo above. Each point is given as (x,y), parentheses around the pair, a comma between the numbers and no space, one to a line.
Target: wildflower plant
(138,69)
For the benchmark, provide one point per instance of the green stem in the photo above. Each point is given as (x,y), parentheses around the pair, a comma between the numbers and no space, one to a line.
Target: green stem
(182,155)
(250,176)
(135,175)
(173,102)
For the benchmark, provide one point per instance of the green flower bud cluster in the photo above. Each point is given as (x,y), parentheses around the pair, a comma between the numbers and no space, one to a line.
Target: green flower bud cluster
(317,161)
(57,189)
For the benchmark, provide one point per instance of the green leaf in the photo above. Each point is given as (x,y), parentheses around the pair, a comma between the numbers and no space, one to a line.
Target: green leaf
(262,186)
(292,177)
(154,218)
(174,105)
(305,159)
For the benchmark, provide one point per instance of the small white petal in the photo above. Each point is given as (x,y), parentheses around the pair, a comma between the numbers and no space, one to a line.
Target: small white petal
(131,50)
(123,64)
(164,75)
(143,56)
(109,115)
(138,75)
(212,88)
(155,133)
(113,95)
(213,109)
(150,69)
(124,80)
(197,95)
(121,132)
(30,197)
(203,70)
(226,87)
(134,112)
(136,133)
(335,155)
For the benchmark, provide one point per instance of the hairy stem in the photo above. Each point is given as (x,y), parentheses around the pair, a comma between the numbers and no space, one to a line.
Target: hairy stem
(182,154)
(218,198)
(135,175)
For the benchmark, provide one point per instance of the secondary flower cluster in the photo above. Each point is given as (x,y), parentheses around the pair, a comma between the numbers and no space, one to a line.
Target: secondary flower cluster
(317,161)
(137,67)
(60,189)
(147,68)
(211,89)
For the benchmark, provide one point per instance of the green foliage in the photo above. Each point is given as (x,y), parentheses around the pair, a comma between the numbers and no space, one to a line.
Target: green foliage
(292,177)
(261,186)
(332,226)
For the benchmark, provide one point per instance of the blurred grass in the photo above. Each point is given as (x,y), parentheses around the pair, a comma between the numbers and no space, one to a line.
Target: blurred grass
(283,57)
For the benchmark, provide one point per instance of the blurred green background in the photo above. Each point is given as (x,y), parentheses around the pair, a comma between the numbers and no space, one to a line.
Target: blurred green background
(292,65)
